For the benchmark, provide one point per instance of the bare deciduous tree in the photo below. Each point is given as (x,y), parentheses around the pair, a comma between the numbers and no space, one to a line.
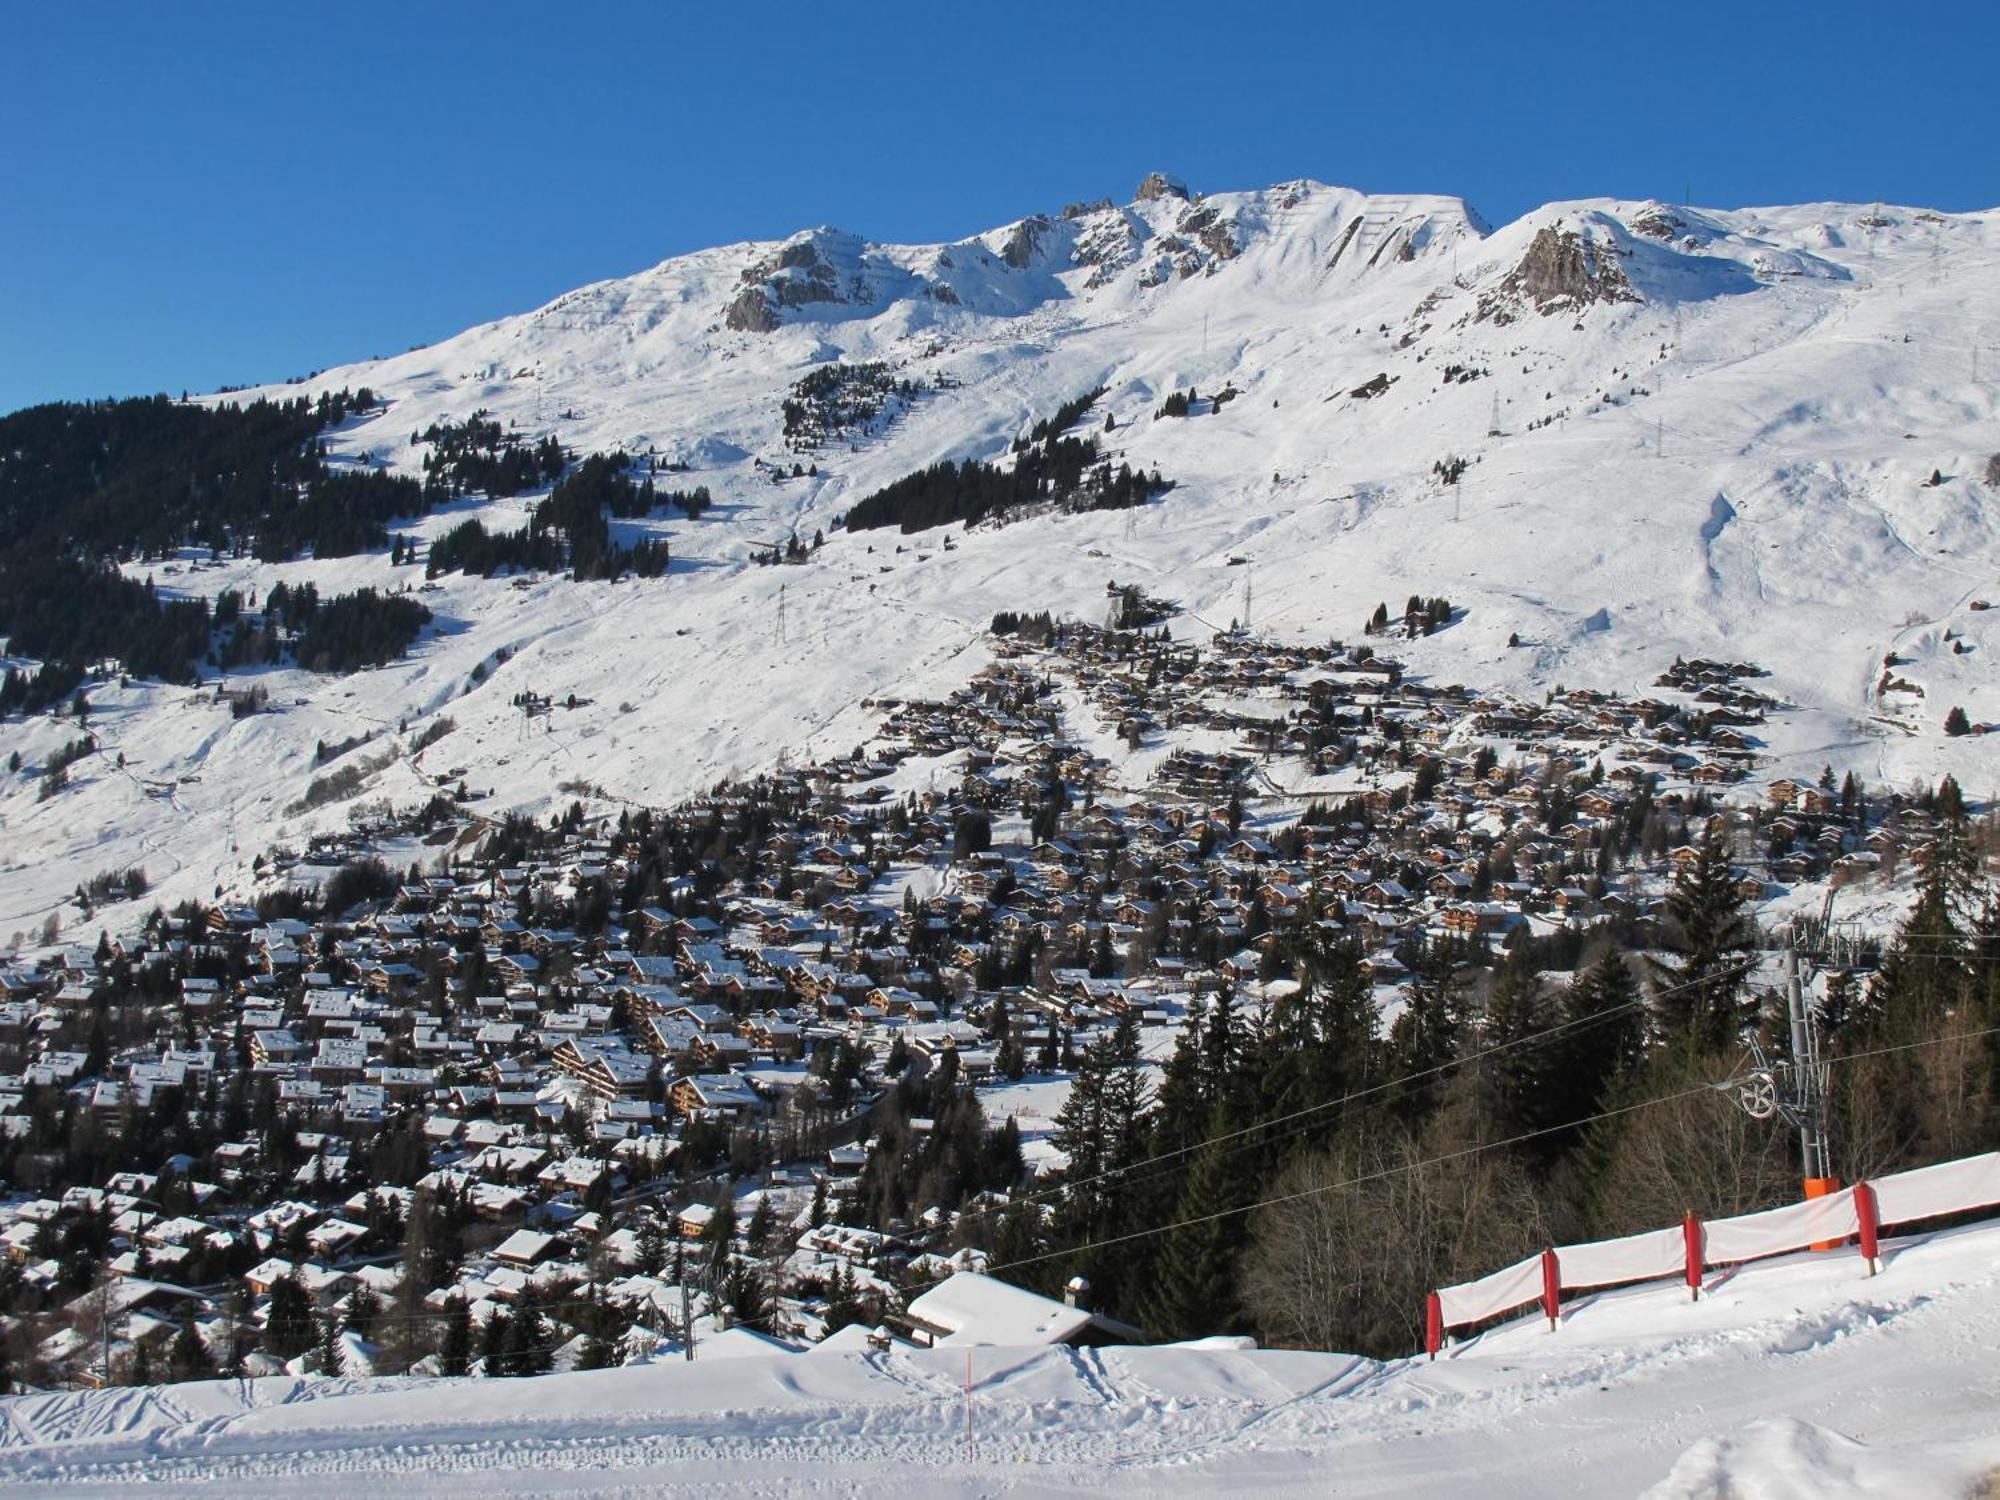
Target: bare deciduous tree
(1363,1231)
(1691,1149)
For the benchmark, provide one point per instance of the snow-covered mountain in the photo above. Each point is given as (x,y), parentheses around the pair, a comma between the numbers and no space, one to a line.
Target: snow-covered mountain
(1683,430)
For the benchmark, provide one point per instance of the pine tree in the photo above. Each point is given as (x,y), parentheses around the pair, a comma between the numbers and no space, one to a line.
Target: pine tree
(762,1223)
(1518,1070)
(1926,971)
(1192,1289)
(526,1349)
(1604,1040)
(1699,993)
(187,1358)
(719,1233)
(288,1322)
(1343,1057)
(364,1308)
(328,1356)
(843,1301)
(494,1337)
(744,1291)
(455,1346)
(1425,1036)
(1101,1129)
(604,1346)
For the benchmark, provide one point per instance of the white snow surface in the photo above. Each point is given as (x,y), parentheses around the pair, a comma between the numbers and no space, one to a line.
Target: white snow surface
(1793,1377)
(1802,372)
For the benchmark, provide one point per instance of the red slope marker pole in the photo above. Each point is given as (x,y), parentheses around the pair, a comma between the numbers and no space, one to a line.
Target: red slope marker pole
(1871,1225)
(1691,1233)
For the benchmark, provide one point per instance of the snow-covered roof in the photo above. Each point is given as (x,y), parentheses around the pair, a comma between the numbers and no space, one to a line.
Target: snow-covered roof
(970,1308)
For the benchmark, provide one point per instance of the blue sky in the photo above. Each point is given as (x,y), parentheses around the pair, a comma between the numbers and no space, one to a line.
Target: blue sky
(209,194)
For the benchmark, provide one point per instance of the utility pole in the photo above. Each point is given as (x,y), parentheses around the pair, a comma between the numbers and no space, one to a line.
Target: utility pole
(687,1319)
(1807,1101)
(1794,1088)
(781,614)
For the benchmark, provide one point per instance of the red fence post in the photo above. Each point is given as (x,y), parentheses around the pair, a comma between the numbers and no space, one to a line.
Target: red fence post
(1871,1227)
(1691,1232)
(1433,1325)
(1551,1288)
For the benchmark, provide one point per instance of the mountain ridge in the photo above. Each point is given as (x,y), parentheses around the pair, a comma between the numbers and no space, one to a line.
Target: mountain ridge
(1592,376)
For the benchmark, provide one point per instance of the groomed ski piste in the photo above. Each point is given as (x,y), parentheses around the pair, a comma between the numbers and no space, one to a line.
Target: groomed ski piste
(1799,1376)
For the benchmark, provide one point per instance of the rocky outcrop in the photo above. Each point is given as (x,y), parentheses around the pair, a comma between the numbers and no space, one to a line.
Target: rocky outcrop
(817,285)
(1561,272)
(1106,241)
(1346,239)
(751,312)
(1207,226)
(798,275)
(1160,185)
(1654,220)
(1023,240)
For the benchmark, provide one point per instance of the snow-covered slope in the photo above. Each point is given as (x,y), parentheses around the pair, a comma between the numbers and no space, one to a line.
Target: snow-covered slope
(1797,1377)
(1687,431)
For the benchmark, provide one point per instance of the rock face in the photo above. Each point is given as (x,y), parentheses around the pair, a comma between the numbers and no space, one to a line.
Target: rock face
(1160,185)
(1206,225)
(751,312)
(817,285)
(1022,243)
(1561,272)
(1656,221)
(797,275)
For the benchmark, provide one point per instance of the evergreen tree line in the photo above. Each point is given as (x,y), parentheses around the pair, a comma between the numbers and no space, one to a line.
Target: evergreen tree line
(1048,466)
(1305,1174)
(836,398)
(568,528)
(478,456)
(340,634)
(1063,470)
(1060,420)
(137,478)
(85,486)
(1039,627)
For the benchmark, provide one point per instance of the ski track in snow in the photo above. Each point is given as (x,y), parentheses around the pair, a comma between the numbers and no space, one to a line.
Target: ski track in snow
(1798,1376)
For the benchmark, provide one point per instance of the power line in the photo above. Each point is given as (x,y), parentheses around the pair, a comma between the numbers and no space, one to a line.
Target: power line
(1260,1129)
(1365,1178)
(1449,1156)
